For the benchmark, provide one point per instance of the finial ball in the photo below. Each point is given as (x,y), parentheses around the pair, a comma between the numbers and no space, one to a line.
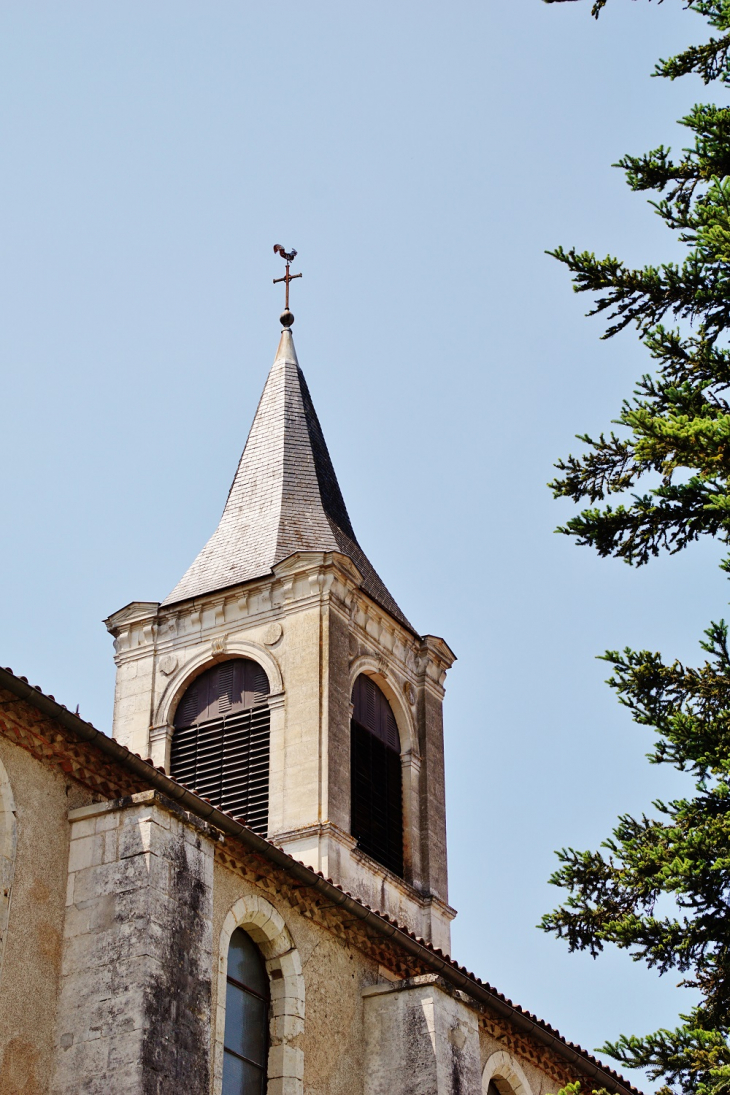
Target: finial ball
(286,318)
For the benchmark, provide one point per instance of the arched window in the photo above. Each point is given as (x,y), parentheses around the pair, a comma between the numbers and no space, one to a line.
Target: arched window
(246,1040)
(220,745)
(376,782)
(503,1075)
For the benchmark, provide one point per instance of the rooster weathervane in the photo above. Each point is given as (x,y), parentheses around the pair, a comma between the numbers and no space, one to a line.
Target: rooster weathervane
(287,317)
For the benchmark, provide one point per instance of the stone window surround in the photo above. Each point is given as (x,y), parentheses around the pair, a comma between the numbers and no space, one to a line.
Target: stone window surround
(503,1066)
(370,665)
(8,845)
(266,926)
(161,732)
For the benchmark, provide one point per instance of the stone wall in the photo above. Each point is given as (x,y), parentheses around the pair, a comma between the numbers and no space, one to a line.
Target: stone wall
(8,845)
(32,957)
(153,895)
(433,795)
(358,1027)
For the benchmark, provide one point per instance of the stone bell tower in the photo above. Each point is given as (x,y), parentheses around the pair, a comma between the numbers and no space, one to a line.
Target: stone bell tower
(284,583)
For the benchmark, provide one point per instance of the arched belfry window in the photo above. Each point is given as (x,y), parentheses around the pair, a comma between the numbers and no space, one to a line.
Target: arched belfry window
(220,744)
(246,1039)
(376,781)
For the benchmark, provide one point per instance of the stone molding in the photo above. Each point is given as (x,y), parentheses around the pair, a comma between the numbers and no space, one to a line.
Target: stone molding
(323,828)
(369,880)
(8,845)
(236,647)
(375,666)
(266,926)
(503,1066)
(276,700)
(301,580)
(425,900)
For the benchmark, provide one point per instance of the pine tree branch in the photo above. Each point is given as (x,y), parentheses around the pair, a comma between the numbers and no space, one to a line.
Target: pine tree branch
(659,886)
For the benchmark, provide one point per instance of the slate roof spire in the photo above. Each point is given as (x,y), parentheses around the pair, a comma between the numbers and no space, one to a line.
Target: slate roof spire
(284,497)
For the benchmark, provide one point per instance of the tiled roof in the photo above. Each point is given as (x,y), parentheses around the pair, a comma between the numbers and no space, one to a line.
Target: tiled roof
(397,935)
(284,498)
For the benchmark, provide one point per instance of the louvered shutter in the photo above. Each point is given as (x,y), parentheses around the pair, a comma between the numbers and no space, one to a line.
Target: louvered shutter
(220,745)
(376,780)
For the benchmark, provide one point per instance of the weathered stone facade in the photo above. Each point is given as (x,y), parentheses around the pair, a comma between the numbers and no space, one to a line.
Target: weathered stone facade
(421,1038)
(137,951)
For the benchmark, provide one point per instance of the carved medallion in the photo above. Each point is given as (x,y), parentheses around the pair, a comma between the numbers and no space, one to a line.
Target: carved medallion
(168,664)
(410,693)
(273,633)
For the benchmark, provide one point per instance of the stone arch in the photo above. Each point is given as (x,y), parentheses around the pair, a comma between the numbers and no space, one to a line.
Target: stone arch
(372,666)
(161,731)
(266,926)
(507,1074)
(8,843)
(186,674)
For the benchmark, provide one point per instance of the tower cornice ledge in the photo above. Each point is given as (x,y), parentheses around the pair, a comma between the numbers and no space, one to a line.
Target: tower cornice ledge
(133,613)
(439,649)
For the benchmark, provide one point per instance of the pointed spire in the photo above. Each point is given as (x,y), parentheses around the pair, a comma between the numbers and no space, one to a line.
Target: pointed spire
(284,498)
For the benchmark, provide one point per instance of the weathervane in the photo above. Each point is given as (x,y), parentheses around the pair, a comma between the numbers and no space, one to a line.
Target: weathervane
(287,317)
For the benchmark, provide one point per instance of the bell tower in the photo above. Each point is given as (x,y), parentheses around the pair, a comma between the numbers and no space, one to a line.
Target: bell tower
(281,680)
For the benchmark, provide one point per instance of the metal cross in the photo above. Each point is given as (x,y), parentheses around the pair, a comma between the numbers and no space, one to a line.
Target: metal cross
(288,257)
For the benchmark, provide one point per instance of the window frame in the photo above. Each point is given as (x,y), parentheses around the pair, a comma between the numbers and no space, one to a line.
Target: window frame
(389,852)
(268,929)
(266,1040)
(224,754)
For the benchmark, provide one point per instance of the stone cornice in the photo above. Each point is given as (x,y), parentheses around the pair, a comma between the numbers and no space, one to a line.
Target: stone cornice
(301,580)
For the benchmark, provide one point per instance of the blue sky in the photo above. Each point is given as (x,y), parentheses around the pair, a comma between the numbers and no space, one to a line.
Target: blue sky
(421,157)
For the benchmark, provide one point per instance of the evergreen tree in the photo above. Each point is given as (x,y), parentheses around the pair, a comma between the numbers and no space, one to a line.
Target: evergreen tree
(669,463)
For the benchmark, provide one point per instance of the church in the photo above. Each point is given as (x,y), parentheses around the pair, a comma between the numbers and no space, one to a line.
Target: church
(243,889)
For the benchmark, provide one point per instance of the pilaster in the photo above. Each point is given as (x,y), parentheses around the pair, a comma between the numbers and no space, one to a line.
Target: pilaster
(135,1001)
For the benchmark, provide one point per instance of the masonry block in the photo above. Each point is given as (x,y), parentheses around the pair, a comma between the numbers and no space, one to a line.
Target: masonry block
(285,1061)
(421,1038)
